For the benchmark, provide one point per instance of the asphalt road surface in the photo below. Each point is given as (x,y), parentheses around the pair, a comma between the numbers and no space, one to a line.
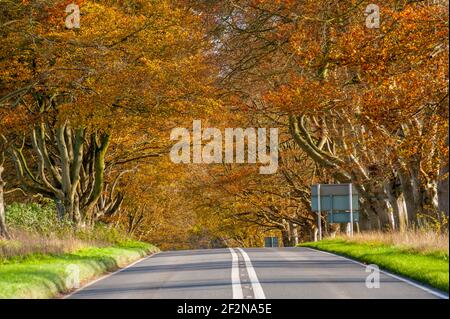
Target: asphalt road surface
(254,273)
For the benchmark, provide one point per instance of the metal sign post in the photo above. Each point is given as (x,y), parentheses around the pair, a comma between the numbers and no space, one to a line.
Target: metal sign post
(351,208)
(336,201)
(319,217)
(271,241)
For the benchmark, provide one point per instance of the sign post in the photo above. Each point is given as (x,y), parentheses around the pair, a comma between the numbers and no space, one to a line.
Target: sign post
(350,189)
(319,217)
(271,241)
(340,203)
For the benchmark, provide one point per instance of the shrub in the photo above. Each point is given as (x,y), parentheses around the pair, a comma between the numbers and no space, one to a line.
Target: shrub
(34,217)
(42,219)
(35,228)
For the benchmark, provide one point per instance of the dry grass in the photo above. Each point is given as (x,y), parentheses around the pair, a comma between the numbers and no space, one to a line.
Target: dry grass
(25,243)
(420,241)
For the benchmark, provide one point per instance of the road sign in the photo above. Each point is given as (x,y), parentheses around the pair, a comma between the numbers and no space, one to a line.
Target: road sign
(271,242)
(334,197)
(342,217)
(339,201)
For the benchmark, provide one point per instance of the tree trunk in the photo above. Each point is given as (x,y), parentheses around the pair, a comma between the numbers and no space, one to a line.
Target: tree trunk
(410,201)
(366,218)
(286,238)
(443,181)
(3,230)
(398,205)
(443,193)
(402,213)
(376,210)
(315,231)
(430,198)
(385,215)
(60,210)
(295,235)
(66,166)
(100,149)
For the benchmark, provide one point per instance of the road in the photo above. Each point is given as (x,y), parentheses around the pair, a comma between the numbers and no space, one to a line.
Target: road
(254,273)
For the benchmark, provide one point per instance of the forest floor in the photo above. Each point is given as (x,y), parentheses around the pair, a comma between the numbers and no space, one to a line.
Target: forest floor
(426,265)
(50,275)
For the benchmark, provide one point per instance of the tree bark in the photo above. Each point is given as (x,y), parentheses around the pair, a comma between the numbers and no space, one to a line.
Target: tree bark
(443,184)
(286,238)
(100,149)
(375,210)
(65,166)
(3,229)
(443,193)
(408,194)
(400,206)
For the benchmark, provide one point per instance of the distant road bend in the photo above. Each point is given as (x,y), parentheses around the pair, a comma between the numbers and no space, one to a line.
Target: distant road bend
(254,273)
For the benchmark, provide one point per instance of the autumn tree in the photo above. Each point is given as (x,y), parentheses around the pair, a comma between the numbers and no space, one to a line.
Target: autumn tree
(129,66)
(3,230)
(342,88)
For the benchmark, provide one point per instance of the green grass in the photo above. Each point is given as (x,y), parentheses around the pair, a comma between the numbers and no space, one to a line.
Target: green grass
(429,268)
(45,276)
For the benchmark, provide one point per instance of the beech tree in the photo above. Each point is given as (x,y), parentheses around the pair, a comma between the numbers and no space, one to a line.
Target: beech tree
(86,113)
(3,230)
(129,63)
(360,102)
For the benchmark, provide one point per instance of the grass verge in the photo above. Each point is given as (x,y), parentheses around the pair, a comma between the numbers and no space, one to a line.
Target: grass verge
(431,268)
(47,275)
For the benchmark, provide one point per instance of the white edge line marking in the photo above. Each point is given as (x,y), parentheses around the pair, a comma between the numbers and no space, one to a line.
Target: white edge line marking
(257,289)
(431,291)
(235,280)
(108,275)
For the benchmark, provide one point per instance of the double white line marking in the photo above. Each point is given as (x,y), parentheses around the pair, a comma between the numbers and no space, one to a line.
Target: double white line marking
(235,278)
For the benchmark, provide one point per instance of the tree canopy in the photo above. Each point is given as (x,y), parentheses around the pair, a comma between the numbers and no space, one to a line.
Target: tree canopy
(86,113)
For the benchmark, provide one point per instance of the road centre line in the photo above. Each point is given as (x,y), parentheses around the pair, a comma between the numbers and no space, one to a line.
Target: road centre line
(257,289)
(235,279)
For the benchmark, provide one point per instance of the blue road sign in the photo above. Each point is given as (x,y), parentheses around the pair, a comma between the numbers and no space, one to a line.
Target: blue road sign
(271,242)
(341,217)
(335,202)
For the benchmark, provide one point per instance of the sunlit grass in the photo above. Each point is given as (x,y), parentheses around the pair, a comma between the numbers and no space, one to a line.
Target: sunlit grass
(415,240)
(44,275)
(411,258)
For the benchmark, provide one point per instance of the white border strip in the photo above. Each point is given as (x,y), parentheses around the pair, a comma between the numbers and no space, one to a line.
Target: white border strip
(412,283)
(109,275)
(235,279)
(257,289)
